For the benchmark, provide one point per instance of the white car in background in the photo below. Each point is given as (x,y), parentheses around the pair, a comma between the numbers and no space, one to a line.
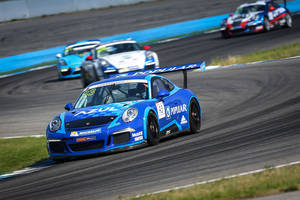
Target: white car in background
(117,57)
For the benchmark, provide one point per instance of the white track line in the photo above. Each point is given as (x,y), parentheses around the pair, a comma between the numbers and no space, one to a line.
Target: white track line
(13,137)
(218,179)
(29,70)
(27,170)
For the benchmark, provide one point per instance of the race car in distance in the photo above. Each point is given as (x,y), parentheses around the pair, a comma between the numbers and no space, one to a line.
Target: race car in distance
(255,17)
(69,62)
(122,112)
(116,57)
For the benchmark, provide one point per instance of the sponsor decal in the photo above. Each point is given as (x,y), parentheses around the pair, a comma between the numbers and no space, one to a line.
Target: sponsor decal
(137,134)
(85,139)
(160,109)
(89,132)
(138,138)
(168,112)
(183,120)
(74,134)
(107,109)
(90,92)
(178,109)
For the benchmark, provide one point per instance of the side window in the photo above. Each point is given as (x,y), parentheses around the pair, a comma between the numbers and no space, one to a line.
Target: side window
(168,85)
(157,85)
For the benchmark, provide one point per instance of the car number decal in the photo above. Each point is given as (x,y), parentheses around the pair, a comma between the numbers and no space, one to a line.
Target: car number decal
(160,109)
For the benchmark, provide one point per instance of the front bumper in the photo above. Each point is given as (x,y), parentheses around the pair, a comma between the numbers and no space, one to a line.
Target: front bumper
(65,72)
(249,28)
(60,146)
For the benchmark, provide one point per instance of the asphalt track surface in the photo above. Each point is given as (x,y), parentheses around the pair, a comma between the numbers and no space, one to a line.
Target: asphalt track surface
(251,119)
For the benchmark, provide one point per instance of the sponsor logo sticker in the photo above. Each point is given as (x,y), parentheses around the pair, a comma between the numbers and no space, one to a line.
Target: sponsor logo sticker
(183,120)
(168,112)
(88,132)
(85,139)
(178,109)
(74,134)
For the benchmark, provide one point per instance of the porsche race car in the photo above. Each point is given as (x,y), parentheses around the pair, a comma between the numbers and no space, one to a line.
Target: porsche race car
(69,62)
(117,57)
(122,112)
(256,17)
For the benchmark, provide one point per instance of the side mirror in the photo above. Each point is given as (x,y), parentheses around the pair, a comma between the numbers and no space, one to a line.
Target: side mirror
(58,55)
(147,47)
(69,106)
(272,8)
(162,94)
(89,58)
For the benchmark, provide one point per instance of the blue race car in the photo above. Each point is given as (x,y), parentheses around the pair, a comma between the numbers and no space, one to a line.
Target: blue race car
(69,62)
(255,17)
(122,112)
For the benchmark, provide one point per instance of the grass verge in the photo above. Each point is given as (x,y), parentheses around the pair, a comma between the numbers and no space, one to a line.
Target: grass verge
(17,153)
(28,68)
(275,53)
(271,181)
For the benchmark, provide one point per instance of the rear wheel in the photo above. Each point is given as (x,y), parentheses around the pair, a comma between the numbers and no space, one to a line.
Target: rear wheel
(194,116)
(152,129)
(83,79)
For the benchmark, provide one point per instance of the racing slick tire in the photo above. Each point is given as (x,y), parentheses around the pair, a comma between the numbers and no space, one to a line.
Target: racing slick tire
(153,136)
(225,34)
(194,116)
(83,79)
(288,21)
(267,25)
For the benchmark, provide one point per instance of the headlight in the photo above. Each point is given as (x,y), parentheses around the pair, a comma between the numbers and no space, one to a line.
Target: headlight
(149,55)
(104,63)
(62,62)
(129,114)
(55,124)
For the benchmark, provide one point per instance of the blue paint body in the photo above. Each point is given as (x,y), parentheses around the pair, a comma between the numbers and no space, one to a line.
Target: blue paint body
(172,117)
(38,57)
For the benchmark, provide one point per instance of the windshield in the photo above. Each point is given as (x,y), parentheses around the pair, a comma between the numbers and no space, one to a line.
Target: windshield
(113,92)
(249,9)
(116,48)
(80,50)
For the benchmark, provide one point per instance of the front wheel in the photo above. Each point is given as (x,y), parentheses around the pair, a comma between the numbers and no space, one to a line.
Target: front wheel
(194,116)
(152,130)
(288,21)
(267,25)
(225,34)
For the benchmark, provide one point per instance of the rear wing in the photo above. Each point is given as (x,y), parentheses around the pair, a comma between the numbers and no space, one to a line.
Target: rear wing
(184,68)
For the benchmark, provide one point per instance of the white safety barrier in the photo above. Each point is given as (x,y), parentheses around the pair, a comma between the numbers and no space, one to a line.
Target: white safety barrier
(20,9)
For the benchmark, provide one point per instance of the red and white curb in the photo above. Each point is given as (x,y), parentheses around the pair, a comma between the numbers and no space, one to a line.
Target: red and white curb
(222,178)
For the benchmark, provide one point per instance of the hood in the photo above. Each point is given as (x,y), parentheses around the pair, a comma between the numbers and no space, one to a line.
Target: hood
(127,60)
(74,59)
(114,109)
(244,17)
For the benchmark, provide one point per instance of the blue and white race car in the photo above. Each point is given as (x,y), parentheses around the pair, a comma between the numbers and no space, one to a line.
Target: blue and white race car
(117,57)
(255,17)
(122,112)
(69,62)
